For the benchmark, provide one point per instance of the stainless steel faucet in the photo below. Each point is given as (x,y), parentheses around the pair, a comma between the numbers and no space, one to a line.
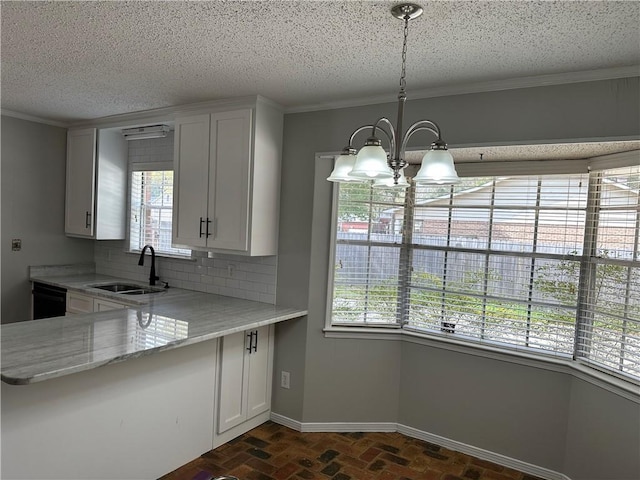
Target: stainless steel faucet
(152,273)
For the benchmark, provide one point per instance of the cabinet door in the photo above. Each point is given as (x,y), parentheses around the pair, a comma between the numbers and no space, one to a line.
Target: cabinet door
(111,186)
(78,303)
(191,155)
(233,382)
(229,177)
(80,188)
(259,366)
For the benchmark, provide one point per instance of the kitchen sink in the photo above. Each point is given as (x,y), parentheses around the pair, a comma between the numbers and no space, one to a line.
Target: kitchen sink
(127,289)
(118,287)
(142,291)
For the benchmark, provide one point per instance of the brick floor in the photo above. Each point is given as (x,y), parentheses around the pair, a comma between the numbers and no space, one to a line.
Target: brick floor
(275,452)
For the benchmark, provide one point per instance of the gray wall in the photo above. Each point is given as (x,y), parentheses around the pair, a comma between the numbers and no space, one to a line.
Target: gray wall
(379,381)
(33,185)
(603,435)
(520,412)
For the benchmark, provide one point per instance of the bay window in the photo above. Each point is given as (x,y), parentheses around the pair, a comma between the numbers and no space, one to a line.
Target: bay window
(543,264)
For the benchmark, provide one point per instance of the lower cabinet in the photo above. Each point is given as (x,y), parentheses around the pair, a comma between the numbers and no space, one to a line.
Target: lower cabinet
(80,303)
(245,371)
(102,305)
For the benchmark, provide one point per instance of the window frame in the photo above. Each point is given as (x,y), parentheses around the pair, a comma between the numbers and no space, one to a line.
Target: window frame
(332,252)
(149,167)
(624,384)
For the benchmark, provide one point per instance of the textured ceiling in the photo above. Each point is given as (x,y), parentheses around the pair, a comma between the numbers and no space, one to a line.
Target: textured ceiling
(71,61)
(558,151)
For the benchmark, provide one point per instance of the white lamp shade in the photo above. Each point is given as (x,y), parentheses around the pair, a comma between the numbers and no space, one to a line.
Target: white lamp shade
(371,163)
(388,182)
(343,166)
(437,169)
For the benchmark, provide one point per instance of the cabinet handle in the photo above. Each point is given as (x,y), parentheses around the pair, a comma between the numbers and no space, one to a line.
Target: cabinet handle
(255,345)
(250,335)
(201,222)
(87,220)
(207,229)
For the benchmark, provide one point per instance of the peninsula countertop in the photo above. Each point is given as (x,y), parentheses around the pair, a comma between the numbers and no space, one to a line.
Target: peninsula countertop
(38,350)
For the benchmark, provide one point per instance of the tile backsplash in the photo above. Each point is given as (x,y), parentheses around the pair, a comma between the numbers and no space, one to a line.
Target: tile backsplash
(251,278)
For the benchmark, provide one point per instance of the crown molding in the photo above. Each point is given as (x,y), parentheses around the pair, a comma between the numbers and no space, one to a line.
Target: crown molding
(164,114)
(168,114)
(32,118)
(481,87)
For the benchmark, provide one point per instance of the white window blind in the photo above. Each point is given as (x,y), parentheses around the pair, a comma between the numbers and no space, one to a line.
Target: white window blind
(609,333)
(546,264)
(496,261)
(367,256)
(151,211)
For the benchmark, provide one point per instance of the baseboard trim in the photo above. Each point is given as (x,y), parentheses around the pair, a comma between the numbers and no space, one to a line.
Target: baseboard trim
(286,421)
(482,454)
(420,435)
(349,427)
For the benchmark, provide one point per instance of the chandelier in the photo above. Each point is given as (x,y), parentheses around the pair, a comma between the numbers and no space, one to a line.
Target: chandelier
(372,162)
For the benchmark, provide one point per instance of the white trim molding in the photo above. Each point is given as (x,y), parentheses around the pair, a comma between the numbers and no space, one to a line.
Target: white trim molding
(448,443)
(481,87)
(286,421)
(482,454)
(32,118)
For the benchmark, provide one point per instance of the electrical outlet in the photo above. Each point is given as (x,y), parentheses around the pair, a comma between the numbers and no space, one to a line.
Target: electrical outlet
(16,244)
(285,379)
(231,269)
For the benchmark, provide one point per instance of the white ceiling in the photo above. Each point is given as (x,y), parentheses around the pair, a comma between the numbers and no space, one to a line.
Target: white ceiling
(514,153)
(72,61)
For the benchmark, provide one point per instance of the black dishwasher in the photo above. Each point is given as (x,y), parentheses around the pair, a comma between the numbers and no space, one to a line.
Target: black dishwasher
(48,301)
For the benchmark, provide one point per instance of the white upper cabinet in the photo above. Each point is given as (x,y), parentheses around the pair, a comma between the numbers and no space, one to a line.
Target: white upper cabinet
(227,180)
(96,184)
(81,162)
(191,154)
(229,190)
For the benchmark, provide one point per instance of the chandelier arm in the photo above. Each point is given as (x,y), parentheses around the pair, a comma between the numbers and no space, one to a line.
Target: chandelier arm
(357,131)
(391,138)
(418,126)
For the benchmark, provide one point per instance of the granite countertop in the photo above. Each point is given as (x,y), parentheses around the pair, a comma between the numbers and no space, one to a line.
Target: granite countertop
(38,350)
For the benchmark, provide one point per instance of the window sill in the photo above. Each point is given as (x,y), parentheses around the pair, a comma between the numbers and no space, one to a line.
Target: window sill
(628,389)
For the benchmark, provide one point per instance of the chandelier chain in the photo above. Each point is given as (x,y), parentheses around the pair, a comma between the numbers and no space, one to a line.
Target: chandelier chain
(403,81)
